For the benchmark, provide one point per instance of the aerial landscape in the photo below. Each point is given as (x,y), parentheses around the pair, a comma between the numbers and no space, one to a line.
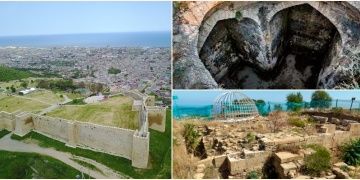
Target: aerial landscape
(262,134)
(85,92)
(266,45)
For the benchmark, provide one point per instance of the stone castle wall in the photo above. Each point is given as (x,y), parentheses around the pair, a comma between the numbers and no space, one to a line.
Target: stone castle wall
(116,141)
(130,144)
(7,121)
(157,118)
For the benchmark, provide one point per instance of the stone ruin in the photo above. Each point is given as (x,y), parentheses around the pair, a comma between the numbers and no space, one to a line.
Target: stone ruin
(257,45)
(234,152)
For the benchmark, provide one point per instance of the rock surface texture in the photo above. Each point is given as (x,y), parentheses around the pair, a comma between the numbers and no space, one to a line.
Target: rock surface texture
(266,45)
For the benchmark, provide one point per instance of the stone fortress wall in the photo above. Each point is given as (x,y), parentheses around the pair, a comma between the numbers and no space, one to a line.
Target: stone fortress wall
(130,144)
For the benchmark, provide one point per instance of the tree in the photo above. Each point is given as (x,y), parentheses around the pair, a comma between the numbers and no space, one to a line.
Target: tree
(13,90)
(24,84)
(320,99)
(294,101)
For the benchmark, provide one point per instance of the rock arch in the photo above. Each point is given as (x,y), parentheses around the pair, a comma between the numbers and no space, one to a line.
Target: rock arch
(193,25)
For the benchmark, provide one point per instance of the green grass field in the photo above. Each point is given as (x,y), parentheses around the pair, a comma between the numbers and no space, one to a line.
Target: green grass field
(11,104)
(160,154)
(46,96)
(16,165)
(115,111)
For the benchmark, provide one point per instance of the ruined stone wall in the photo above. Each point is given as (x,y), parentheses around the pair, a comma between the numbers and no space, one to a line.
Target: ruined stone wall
(157,118)
(7,121)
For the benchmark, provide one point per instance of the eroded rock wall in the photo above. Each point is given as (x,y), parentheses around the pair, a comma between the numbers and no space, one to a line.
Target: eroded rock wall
(292,27)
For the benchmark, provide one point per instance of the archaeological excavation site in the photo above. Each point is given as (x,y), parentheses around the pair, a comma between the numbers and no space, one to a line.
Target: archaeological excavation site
(266,45)
(247,137)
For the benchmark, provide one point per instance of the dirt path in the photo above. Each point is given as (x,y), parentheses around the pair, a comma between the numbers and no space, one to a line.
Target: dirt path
(6,143)
(55,106)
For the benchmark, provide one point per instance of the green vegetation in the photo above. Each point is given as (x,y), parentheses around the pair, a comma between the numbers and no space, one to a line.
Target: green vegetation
(45,96)
(238,15)
(294,101)
(88,165)
(8,74)
(77,102)
(16,165)
(318,161)
(250,137)
(320,99)
(3,133)
(252,175)
(115,111)
(296,121)
(114,71)
(12,104)
(192,137)
(160,154)
(337,110)
(351,152)
(62,85)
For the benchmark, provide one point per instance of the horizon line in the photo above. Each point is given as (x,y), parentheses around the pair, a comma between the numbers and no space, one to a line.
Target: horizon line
(156,31)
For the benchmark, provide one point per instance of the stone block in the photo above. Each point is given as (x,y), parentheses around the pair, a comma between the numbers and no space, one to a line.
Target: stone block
(285,157)
(355,128)
(340,174)
(219,160)
(321,119)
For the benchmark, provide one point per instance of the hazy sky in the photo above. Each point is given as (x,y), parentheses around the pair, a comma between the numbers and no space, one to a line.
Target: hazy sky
(38,18)
(206,97)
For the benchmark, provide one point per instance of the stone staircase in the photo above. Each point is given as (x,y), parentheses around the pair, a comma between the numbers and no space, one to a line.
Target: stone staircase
(287,164)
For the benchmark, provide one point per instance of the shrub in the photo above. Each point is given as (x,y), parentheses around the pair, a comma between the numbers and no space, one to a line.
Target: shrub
(317,162)
(337,110)
(277,120)
(250,137)
(192,137)
(351,152)
(252,175)
(297,122)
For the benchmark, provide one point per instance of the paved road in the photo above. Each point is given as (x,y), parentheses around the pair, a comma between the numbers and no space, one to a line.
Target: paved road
(7,144)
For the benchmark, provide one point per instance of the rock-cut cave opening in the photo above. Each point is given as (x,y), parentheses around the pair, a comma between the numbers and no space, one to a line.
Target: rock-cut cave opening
(288,52)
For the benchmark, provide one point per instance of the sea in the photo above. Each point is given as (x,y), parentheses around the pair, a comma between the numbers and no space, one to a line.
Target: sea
(131,39)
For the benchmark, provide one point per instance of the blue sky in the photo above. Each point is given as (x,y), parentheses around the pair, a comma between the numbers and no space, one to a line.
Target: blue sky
(40,18)
(206,97)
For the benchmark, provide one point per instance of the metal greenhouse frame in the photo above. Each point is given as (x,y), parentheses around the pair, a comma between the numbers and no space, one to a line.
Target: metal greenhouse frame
(234,105)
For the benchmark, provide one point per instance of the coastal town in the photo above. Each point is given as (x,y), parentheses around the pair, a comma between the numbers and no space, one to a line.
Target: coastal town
(143,68)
